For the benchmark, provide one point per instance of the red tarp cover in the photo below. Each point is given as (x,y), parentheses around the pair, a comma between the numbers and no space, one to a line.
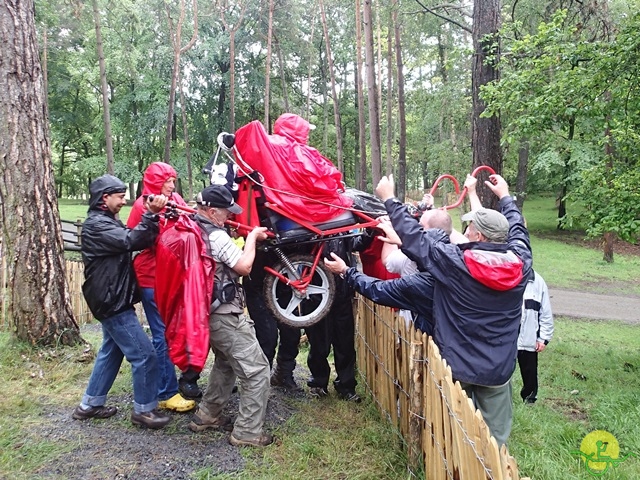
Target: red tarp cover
(293,168)
(184,285)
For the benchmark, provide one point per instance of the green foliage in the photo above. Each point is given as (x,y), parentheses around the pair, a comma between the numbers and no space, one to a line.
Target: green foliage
(611,201)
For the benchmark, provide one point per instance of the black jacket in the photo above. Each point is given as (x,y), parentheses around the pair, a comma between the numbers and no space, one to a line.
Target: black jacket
(110,283)
(476,327)
(411,292)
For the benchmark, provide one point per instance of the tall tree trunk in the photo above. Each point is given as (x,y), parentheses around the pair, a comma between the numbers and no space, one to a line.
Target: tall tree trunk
(325,102)
(389,160)
(334,92)
(104,89)
(283,78)
(176,41)
(379,56)
(223,8)
(523,167)
(486,131)
(39,306)
(311,53)
(374,122)
(562,202)
(402,147)
(609,237)
(267,68)
(361,174)
(187,148)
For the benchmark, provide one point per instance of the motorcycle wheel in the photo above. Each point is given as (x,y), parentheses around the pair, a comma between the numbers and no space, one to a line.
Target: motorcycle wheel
(290,306)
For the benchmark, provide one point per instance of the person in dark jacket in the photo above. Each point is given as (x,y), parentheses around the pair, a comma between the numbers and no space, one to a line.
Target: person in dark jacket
(110,290)
(476,297)
(335,330)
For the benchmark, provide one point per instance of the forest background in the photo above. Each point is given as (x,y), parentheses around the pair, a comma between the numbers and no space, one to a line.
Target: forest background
(544,92)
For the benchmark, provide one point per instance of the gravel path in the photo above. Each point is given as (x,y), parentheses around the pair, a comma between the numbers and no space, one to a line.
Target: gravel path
(568,303)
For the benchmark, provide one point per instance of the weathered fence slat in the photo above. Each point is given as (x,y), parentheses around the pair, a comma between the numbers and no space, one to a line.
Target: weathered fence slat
(413,387)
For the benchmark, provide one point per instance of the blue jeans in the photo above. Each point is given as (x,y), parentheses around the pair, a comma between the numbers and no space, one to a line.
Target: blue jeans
(168,382)
(123,336)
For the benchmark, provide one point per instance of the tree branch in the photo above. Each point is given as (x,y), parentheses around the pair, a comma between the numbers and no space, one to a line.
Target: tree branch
(446,19)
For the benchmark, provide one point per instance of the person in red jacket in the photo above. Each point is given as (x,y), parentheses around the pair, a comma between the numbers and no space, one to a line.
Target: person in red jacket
(159,178)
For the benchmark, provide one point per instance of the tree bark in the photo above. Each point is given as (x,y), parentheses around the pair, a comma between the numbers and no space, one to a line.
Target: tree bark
(176,41)
(187,148)
(104,87)
(389,145)
(374,122)
(334,92)
(402,117)
(486,131)
(361,173)
(521,178)
(267,69)
(283,78)
(39,306)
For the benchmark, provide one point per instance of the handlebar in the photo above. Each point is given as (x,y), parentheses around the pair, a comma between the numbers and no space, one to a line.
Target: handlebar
(456,185)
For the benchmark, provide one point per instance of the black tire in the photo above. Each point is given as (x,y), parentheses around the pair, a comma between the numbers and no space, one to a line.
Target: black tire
(286,304)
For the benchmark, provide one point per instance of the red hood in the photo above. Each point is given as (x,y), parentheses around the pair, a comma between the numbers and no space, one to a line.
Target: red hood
(497,270)
(293,127)
(154,177)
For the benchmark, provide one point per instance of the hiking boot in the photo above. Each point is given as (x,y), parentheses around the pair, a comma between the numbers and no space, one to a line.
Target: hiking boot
(318,392)
(350,396)
(153,419)
(94,412)
(284,381)
(201,421)
(177,403)
(261,440)
(190,391)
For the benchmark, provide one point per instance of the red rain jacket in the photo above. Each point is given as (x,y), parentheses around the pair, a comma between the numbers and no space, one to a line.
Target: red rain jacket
(292,169)
(183,290)
(154,177)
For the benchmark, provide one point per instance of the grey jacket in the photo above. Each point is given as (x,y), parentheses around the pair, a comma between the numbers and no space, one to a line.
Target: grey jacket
(536,324)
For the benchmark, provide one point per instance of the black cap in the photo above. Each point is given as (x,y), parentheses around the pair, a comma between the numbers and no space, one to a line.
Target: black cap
(218,196)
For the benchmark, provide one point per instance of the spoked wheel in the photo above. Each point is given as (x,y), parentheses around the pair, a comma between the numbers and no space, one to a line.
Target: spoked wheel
(292,306)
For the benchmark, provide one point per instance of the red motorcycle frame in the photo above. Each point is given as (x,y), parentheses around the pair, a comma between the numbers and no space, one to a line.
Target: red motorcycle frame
(299,289)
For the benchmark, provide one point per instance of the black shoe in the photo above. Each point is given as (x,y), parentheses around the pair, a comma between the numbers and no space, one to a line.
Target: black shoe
(318,392)
(350,396)
(153,419)
(190,391)
(94,412)
(286,382)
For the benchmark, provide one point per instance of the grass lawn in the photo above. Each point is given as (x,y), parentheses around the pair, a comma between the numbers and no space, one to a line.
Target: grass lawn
(588,381)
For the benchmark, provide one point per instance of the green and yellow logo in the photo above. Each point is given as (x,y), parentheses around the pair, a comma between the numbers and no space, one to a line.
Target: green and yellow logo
(599,451)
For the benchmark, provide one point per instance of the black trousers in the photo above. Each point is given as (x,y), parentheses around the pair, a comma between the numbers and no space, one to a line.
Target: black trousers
(268,329)
(337,330)
(528,362)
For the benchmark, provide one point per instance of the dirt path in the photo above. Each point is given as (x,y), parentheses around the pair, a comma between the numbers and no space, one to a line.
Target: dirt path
(570,303)
(115,449)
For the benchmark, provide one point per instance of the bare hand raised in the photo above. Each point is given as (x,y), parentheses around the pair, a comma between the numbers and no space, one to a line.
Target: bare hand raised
(498,185)
(385,188)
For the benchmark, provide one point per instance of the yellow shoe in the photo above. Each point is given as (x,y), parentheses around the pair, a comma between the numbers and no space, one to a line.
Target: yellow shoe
(177,403)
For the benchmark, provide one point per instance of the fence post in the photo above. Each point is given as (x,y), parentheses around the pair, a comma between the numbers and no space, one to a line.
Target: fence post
(78,225)
(416,411)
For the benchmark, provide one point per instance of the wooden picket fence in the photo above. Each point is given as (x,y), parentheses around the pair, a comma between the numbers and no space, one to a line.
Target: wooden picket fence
(412,386)
(75,278)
